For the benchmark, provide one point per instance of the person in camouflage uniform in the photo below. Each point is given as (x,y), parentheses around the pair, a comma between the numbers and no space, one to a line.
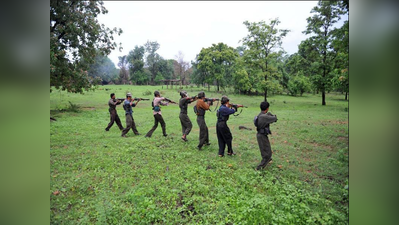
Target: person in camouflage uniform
(262,123)
(127,105)
(185,121)
(112,103)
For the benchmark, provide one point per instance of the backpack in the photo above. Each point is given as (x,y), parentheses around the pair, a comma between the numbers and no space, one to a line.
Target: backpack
(256,121)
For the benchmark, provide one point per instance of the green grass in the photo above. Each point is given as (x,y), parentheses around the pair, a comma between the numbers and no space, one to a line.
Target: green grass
(99,177)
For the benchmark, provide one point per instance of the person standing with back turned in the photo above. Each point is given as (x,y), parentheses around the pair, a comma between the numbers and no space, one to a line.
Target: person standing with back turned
(185,121)
(202,106)
(262,123)
(222,130)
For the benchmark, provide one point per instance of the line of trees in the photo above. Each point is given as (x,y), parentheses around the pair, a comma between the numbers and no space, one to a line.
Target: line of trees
(261,64)
(143,66)
(79,47)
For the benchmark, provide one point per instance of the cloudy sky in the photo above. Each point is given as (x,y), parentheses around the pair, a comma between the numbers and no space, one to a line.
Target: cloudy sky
(189,26)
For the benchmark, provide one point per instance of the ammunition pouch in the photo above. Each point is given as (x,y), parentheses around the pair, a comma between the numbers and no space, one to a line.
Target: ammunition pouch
(156,108)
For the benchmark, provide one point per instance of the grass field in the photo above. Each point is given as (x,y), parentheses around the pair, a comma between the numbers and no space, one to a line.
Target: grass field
(100,177)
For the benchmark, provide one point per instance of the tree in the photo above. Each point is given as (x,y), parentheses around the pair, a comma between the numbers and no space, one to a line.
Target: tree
(320,25)
(152,58)
(217,63)
(181,67)
(124,72)
(75,37)
(264,44)
(135,59)
(298,84)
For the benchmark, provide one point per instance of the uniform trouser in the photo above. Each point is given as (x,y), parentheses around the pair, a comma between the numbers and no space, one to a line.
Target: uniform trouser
(114,118)
(186,124)
(265,149)
(224,137)
(203,131)
(157,119)
(130,124)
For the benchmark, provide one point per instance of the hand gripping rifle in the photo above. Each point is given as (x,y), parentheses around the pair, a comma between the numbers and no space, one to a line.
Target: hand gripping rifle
(211,100)
(235,106)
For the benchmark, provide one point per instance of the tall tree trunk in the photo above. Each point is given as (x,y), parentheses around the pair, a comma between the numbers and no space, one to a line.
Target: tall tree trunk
(217,83)
(346,96)
(323,97)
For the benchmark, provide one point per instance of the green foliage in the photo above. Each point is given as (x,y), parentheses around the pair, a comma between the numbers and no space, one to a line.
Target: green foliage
(264,43)
(99,177)
(216,63)
(319,47)
(136,65)
(298,85)
(75,39)
(158,78)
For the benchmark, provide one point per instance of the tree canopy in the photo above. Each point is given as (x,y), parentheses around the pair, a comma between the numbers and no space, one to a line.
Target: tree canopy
(75,39)
(264,45)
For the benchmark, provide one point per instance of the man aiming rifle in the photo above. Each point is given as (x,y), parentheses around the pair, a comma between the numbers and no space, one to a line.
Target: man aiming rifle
(185,121)
(128,105)
(112,103)
(222,130)
(156,107)
(200,109)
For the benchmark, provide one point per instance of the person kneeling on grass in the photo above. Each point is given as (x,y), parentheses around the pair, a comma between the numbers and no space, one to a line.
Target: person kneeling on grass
(222,130)
(262,123)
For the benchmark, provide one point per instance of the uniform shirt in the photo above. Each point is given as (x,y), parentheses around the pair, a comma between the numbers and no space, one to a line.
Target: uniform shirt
(265,119)
(225,111)
(158,102)
(201,105)
(128,108)
(112,103)
(183,104)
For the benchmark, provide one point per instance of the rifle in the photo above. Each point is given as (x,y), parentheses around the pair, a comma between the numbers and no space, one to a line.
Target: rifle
(134,99)
(141,99)
(193,98)
(168,100)
(235,106)
(212,100)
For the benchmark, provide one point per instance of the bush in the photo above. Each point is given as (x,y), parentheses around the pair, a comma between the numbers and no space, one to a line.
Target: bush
(147,92)
(298,85)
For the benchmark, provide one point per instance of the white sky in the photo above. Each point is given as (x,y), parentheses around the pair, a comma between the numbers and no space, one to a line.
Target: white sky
(189,26)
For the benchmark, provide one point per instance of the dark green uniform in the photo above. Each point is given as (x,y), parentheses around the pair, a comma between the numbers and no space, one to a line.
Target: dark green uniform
(264,120)
(185,121)
(112,103)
